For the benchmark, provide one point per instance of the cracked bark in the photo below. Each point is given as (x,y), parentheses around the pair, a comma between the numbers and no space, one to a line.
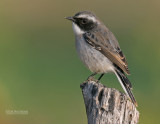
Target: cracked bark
(107,105)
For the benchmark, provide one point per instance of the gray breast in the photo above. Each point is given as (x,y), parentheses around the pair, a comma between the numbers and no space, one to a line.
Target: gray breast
(93,59)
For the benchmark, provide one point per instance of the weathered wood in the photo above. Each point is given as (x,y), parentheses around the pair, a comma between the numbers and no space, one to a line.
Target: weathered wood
(107,105)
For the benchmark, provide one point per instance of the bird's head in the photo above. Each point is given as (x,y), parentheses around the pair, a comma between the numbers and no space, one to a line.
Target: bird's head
(84,21)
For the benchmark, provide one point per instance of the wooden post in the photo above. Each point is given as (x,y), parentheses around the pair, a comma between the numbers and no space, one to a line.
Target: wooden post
(107,105)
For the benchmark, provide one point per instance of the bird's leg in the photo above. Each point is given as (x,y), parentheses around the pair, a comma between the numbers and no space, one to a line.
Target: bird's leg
(100,78)
(91,76)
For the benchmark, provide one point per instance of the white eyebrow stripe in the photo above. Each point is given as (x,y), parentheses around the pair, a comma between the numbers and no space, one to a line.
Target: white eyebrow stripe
(88,17)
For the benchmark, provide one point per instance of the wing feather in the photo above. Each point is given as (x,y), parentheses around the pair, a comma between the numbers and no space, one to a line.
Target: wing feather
(109,47)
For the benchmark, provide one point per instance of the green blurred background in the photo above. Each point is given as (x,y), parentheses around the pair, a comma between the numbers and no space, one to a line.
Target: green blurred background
(39,68)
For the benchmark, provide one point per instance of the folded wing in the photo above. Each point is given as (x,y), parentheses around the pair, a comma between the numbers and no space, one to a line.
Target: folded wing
(109,47)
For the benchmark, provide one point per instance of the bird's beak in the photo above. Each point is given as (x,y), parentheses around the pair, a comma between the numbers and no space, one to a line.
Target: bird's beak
(70,18)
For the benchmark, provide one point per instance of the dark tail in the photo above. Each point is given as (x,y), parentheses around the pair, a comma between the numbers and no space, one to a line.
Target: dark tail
(126,85)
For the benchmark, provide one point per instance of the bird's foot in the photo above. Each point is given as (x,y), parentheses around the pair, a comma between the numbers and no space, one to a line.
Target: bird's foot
(97,81)
(90,78)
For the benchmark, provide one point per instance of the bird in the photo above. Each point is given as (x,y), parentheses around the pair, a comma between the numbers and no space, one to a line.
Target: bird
(99,49)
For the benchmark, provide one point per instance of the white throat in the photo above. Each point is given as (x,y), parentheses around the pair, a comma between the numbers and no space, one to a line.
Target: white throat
(77,30)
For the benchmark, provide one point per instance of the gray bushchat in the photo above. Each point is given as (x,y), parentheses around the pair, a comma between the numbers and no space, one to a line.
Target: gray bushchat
(99,50)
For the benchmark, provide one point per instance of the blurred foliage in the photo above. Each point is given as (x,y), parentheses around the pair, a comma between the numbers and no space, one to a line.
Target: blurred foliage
(41,72)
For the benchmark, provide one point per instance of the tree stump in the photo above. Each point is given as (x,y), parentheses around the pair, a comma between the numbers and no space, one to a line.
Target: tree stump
(107,105)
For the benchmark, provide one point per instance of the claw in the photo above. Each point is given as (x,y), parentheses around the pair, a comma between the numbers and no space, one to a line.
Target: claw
(90,78)
(97,81)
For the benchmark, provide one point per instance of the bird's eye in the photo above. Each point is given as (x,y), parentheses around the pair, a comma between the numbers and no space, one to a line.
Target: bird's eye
(84,21)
